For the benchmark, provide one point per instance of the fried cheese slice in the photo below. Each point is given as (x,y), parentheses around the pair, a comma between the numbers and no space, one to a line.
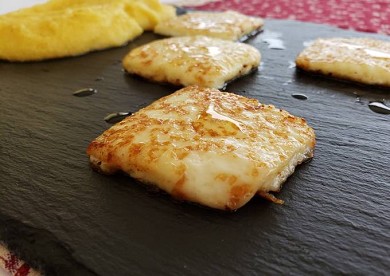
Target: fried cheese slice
(192,60)
(362,60)
(229,25)
(201,145)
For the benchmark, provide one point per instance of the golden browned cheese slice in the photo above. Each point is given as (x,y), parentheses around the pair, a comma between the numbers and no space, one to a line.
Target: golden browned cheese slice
(214,148)
(228,25)
(362,60)
(192,60)
(61,28)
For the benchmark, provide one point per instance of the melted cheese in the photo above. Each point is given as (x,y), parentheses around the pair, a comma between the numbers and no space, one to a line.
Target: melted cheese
(199,60)
(358,59)
(228,25)
(206,146)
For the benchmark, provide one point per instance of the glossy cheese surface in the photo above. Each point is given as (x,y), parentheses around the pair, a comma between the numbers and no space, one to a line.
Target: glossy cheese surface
(229,25)
(362,60)
(214,148)
(192,60)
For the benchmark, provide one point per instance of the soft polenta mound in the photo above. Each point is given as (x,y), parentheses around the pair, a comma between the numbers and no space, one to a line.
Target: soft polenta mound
(61,28)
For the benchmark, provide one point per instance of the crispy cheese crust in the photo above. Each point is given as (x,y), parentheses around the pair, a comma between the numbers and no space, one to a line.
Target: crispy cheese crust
(210,147)
(61,28)
(229,25)
(192,60)
(362,60)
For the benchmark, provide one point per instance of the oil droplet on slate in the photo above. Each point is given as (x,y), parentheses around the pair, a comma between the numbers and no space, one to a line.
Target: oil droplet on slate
(261,67)
(250,35)
(379,107)
(308,43)
(291,64)
(85,92)
(299,96)
(114,118)
(273,40)
(358,99)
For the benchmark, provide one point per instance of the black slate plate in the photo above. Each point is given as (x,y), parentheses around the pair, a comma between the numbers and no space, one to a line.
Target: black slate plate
(66,219)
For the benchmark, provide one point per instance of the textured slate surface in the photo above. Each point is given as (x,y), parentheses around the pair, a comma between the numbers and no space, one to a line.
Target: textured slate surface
(66,219)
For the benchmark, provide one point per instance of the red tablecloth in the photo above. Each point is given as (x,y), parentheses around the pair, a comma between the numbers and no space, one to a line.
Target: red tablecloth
(11,265)
(360,15)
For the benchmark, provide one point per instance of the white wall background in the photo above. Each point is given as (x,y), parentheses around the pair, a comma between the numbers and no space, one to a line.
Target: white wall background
(11,5)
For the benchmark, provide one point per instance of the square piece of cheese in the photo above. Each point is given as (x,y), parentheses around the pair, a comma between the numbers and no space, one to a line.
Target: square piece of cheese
(214,148)
(362,60)
(229,25)
(192,60)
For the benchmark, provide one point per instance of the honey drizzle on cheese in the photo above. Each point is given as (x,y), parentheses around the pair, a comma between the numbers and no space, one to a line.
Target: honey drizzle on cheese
(199,60)
(218,116)
(377,54)
(228,25)
(372,52)
(363,60)
(190,145)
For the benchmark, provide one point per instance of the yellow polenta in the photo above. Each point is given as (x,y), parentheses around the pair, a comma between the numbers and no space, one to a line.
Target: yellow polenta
(61,28)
